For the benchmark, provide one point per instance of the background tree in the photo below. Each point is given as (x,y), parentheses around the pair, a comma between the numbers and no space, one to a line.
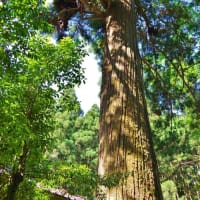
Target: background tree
(71,162)
(172,89)
(33,72)
(76,135)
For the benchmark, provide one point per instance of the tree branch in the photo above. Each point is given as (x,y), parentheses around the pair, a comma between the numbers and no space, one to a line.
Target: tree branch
(91,7)
(106,4)
(93,18)
(141,11)
(157,75)
(179,73)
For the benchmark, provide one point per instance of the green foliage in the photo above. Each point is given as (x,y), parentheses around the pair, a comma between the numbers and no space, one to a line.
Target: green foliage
(28,96)
(172,75)
(169,190)
(29,190)
(34,72)
(76,179)
(76,136)
(111,180)
(71,162)
(4,177)
(175,124)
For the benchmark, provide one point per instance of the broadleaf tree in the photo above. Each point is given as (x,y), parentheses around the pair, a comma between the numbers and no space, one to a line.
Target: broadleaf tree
(34,71)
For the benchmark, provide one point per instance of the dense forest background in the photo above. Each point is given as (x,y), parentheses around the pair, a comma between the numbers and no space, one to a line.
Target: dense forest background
(47,142)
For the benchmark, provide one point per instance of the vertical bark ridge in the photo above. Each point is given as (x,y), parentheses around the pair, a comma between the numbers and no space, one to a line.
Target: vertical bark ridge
(125,145)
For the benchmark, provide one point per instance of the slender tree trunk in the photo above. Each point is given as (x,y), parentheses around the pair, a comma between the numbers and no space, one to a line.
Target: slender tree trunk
(17,175)
(125,145)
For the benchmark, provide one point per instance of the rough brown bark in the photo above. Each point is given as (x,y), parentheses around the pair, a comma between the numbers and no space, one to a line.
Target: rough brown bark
(17,175)
(125,143)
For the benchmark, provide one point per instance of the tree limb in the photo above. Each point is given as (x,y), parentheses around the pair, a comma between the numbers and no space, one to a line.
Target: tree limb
(142,11)
(91,7)
(106,4)
(93,18)
(179,73)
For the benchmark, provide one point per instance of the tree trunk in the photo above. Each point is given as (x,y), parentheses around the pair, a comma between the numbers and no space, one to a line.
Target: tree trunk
(17,175)
(127,164)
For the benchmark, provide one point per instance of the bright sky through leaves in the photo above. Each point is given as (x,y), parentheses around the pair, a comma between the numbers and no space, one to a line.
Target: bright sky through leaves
(88,93)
